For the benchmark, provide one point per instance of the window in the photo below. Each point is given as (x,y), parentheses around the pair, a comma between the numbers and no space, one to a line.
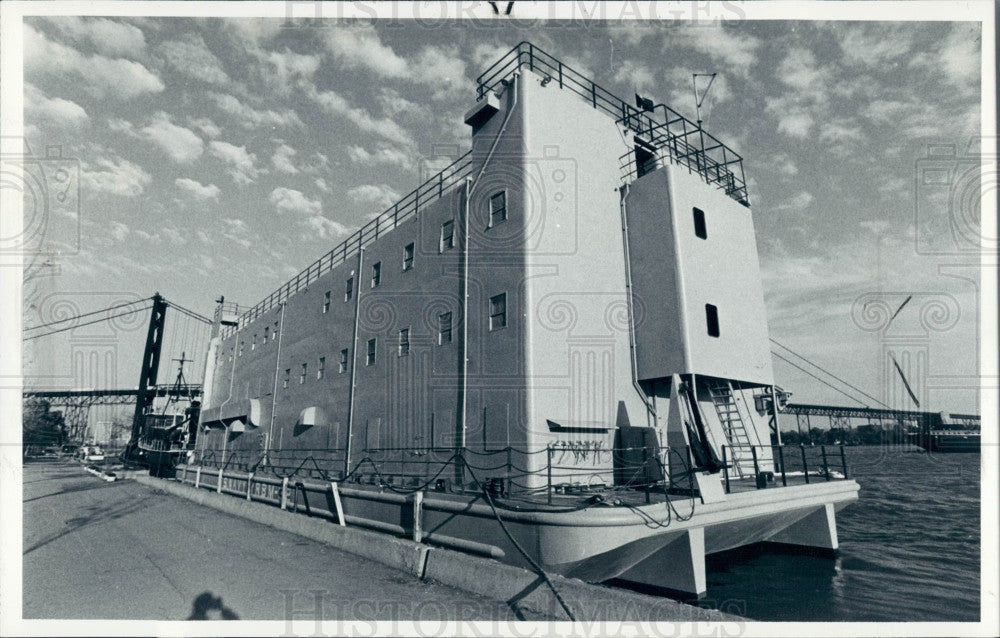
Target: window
(444,328)
(349,290)
(241,348)
(326,302)
(408,257)
(288,373)
(302,375)
(267,332)
(376,273)
(712,319)
(447,236)
(404,342)
(321,370)
(370,358)
(274,333)
(343,361)
(498,311)
(253,343)
(699,223)
(498,208)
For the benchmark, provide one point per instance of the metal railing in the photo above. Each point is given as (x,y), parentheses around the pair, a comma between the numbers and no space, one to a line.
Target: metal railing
(630,469)
(675,137)
(786,464)
(407,207)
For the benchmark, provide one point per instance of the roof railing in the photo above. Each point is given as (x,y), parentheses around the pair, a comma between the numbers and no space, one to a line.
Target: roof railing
(675,137)
(405,208)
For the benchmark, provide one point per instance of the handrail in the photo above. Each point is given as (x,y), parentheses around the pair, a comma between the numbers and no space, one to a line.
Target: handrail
(390,218)
(678,138)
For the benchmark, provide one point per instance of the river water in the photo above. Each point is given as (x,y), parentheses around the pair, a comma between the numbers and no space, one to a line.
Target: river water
(909,550)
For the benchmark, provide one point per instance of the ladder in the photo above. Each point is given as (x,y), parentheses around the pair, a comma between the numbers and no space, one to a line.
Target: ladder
(737,437)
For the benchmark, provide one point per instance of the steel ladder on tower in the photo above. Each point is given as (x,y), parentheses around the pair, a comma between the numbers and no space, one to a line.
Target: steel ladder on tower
(737,438)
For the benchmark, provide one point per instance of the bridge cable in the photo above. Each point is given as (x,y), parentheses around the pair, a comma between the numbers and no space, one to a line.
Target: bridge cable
(820,380)
(86,314)
(87,323)
(863,393)
(190,313)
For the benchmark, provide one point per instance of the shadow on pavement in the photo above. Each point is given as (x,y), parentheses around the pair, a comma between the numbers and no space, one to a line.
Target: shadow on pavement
(205,602)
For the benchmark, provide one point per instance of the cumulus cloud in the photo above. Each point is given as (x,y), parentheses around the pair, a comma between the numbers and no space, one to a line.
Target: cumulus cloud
(336,104)
(242,165)
(381,195)
(799,201)
(361,47)
(191,57)
(101,76)
(206,126)
(104,35)
(180,144)
(116,176)
(288,200)
(250,117)
(387,156)
(283,159)
(322,185)
(327,228)
(196,189)
(53,110)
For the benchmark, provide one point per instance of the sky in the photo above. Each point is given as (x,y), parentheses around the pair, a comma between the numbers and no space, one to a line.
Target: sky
(220,157)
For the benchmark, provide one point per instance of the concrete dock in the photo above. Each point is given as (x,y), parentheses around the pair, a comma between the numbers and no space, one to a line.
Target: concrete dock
(155,549)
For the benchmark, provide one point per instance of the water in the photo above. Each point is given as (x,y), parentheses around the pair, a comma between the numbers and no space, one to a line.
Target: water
(909,550)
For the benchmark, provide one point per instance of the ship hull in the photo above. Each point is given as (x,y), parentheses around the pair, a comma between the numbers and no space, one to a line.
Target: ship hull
(947,441)
(641,544)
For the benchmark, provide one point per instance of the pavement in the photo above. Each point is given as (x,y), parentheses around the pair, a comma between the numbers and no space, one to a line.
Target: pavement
(99,550)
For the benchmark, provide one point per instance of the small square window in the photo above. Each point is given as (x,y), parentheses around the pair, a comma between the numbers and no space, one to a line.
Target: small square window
(408,257)
(404,342)
(370,358)
(349,289)
(326,302)
(699,223)
(267,332)
(288,373)
(498,208)
(376,273)
(498,311)
(302,375)
(321,370)
(712,319)
(444,328)
(447,235)
(343,361)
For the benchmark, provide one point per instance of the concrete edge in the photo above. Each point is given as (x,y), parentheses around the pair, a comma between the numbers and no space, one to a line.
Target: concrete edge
(521,588)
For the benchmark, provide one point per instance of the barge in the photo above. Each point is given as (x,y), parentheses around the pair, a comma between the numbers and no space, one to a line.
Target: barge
(553,352)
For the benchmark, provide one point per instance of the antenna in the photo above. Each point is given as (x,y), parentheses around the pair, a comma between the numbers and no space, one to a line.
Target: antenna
(697,102)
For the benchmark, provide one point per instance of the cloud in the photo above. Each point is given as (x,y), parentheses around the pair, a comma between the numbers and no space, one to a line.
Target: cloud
(242,165)
(237,232)
(443,69)
(635,75)
(387,156)
(875,45)
(736,52)
(53,110)
(287,200)
(360,47)
(956,58)
(282,159)
(173,235)
(335,104)
(196,189)
(281,71)
(206,126)
(327,228)
(107,36)
(381,195)
(102,76)
(119,231)
(115,176)
(180,144)
(322,185)
(798,202)
(191,57)
(250,117)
